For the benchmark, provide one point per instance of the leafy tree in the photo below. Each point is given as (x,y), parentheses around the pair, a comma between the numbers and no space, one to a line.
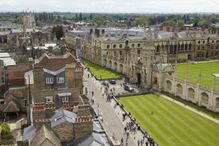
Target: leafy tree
(142,20)
(7,138)
(58,31)
(80,17)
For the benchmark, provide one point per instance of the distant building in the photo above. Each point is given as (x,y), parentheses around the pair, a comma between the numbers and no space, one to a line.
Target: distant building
(29,20)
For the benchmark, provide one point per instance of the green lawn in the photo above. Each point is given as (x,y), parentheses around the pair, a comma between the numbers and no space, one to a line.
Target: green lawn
(100,72)
(206,69)
(171,124)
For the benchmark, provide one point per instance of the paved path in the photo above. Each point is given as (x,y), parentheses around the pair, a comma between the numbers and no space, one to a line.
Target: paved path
(111,122)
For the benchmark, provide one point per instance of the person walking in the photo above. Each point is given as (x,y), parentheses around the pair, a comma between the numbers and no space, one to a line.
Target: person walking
(92,93)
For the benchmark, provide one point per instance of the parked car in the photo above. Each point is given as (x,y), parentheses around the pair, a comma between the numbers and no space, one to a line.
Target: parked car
(113,82)
(105,83)
(128,88)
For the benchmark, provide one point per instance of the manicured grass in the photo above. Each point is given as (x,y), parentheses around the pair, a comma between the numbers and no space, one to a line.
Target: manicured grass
(170,124)
(100,72)
(194,69)
(193,105)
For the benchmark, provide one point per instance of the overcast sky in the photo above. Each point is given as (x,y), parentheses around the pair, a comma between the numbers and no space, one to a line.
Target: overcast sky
(112,6)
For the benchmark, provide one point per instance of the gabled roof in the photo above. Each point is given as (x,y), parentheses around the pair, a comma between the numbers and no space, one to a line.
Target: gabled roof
(44,134)
(55,62)
(61,116)
(11,106)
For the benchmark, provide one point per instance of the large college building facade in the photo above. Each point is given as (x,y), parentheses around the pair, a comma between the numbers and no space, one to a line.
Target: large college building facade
(145,58)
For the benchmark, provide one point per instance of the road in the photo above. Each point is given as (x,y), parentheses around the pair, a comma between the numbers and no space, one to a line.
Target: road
(111,122)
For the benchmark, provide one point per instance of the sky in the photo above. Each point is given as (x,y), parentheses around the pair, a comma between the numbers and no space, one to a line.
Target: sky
(112,6)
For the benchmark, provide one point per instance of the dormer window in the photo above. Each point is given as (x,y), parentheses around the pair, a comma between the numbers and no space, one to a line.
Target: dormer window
(49,80)
(64,99)
(60,80)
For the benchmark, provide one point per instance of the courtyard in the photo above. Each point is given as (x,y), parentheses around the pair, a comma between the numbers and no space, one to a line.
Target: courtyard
(100,72)
(170,124)
(199,72)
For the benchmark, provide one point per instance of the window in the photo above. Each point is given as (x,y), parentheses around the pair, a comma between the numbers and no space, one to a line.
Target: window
(120,53)
(108,46)
(64,99)
(49,80)
(48,99)
(133,45)
(60,80)
(139,45)
(139,52)
(25,102)
(114,46)
(120,46)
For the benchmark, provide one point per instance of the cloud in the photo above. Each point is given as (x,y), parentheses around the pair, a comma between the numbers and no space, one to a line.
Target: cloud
(112,6)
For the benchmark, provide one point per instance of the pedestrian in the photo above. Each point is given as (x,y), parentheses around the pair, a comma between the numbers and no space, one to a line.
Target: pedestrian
(142,142)
(125,129)
(88,75)
(146,144)
(127,135)
(121,141)
(92,93)
(86,91)
(138,142)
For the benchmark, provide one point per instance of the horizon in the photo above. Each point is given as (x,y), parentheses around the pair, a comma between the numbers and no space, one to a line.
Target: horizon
(112,6)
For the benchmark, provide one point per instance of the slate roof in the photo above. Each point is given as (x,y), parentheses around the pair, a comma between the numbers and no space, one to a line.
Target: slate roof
(94,139)
(44,134)
(11,106)
(61,116)
(29,132)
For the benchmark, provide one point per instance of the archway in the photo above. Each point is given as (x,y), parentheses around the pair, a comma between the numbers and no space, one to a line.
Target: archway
(110,64)
(204,98)
(217,103)
(191,93)
(189,57)
(179,89)
(138,78)
(121,68)
(169,85)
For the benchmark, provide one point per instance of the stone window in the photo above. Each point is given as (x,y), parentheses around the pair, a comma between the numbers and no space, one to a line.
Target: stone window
(133,45)
(49,80)
(108,46)
(120,46)
(139,45)
(60,80)
(120,53)
(114,46)
(139,52)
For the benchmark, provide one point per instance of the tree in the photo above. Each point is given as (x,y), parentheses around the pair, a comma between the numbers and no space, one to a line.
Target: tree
(80,17)
(141,20)
(58,31)
(7,138)
(76,17)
